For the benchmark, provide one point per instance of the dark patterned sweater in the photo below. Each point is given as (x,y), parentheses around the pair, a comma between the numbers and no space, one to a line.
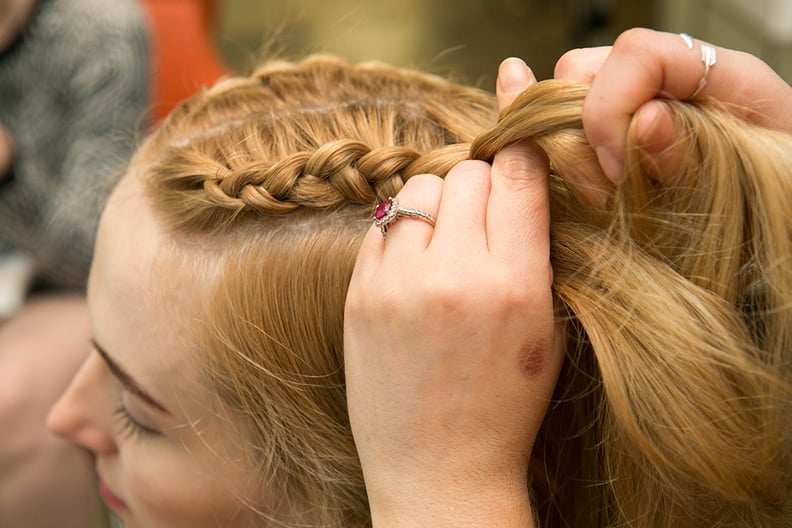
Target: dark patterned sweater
(74,90)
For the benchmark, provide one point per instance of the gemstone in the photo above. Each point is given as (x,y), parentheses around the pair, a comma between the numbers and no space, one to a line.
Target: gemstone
(383,208)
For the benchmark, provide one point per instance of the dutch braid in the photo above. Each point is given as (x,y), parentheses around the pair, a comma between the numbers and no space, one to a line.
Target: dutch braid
(338,173)
(344,143)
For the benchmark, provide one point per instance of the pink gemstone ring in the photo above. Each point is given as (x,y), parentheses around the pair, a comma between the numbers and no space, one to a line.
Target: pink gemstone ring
(388,213)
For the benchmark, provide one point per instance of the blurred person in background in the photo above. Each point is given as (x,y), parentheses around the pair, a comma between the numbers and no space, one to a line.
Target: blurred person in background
(74,94)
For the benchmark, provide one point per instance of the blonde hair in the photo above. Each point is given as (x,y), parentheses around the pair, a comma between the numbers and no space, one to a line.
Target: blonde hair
(672,409)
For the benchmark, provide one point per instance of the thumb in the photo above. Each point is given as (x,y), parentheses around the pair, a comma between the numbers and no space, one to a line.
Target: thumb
(655,133)
(514,76)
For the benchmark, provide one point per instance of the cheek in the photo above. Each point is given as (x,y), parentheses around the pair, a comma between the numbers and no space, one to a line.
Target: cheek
(174,491)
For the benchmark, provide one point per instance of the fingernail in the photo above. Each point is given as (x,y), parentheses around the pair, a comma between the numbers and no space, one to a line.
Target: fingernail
(611,165)
(514,75)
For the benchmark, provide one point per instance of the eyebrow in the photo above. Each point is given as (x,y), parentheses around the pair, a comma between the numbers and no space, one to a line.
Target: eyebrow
(127,381)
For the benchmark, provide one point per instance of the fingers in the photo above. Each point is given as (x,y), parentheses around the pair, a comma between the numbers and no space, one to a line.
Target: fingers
(406,236)
(513,221)
(409,236)
(645,64)
(514,76)
(517,216)
(503,209)
(463,208)
(655,132)
(518,211)
(581,64)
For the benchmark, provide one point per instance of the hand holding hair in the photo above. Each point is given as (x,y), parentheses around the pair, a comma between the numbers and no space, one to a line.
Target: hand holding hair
(660,348)
(644,65)
(450,350)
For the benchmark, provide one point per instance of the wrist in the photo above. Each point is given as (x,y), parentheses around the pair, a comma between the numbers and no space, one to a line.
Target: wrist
(453,503)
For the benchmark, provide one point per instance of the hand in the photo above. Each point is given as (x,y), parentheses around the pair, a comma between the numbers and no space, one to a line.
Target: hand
(450,346)
(6,152)
(643,65)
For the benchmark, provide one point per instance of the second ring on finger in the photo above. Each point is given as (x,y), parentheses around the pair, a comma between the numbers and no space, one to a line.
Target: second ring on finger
(709,57)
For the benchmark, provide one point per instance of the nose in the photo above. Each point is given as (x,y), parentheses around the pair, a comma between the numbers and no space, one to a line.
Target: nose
(83,414)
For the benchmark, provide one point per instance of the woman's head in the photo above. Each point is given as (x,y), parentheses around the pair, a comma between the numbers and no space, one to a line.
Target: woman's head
(222,265)
(165,455)
(219,281)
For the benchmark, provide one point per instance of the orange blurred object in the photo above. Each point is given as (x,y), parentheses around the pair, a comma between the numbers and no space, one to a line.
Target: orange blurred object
(183,54)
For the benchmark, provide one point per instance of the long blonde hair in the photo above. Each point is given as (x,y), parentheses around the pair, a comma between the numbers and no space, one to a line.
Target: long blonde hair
(672,409)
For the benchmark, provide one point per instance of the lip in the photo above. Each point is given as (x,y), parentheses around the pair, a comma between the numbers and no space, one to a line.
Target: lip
(111,499)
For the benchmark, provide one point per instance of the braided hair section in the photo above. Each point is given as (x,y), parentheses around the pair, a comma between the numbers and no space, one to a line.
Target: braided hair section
(319,135)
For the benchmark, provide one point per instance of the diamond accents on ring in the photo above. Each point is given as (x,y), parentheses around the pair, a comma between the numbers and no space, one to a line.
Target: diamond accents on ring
(388,212)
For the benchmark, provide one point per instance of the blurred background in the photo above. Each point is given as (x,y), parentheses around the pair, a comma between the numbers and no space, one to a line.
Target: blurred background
(191,43)
(468,38)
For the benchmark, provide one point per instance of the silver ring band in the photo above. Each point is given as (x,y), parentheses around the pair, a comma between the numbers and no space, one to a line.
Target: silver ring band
(388,213)
(709,56)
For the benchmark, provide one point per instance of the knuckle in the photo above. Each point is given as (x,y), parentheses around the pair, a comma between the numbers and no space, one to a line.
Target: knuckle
(371,300)
(594,120)
(517,294)
(633,38)
(469,169)
(452,300)
(515,164)
(567,65)
(355,303)
(429,185)
(522,159)
(517,291)
(448,293)
(423,180)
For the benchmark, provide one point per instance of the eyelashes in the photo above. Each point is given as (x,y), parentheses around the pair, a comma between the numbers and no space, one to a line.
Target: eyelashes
(131,428)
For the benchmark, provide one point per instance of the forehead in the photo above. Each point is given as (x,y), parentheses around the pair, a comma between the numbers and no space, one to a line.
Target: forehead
(144,301)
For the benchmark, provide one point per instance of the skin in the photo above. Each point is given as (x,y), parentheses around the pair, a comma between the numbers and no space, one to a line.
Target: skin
(44,344)
(6,153)
(472,443)
(190,472)
(451,365)
(14,16)
(443,411)
(660,65)
(176,480)
(41,346)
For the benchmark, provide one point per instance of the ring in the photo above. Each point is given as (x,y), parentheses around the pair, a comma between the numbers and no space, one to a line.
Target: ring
(709,57)
(388,213)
